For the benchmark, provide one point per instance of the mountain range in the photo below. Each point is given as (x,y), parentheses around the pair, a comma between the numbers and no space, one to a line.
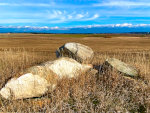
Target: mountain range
(117,28)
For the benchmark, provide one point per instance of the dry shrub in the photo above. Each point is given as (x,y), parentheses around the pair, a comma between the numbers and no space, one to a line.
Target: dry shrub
(106,92)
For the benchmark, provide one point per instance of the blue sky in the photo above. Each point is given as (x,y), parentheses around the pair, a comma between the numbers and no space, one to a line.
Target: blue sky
(70,13)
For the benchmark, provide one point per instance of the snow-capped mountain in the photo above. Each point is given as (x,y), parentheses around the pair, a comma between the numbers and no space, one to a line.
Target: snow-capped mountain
(113,28)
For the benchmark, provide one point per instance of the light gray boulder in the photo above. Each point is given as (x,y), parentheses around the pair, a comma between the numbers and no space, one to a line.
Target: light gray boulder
(120,66)
(38,80)
(26,86)
(67,67)
(77,51)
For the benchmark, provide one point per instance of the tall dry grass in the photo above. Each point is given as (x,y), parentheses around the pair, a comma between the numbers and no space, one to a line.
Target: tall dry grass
(107,92)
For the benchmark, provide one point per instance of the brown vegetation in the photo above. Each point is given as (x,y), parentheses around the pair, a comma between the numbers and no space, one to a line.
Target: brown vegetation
(104,92)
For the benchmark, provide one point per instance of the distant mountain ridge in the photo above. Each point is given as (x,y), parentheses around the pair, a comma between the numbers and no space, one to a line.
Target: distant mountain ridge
(117,28)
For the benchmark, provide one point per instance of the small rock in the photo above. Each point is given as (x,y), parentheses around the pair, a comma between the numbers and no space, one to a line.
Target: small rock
(38,80)
(121,67)
(79,52)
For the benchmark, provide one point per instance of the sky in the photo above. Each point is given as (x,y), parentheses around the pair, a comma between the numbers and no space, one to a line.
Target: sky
(71,13)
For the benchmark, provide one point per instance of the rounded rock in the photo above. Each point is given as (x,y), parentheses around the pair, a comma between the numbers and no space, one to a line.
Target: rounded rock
(121,67)
(77,51)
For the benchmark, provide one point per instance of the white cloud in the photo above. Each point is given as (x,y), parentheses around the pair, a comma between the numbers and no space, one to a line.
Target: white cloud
(54,28)
(57,12)
(56,21)
(122,3)
(45,27)
(57,16)
(86,26)
(10,21)
(114,25)
(79,16)
(28,4)
(4,4)
(53,14)
(93,18)
(123,25)
(69,16)
(48,16)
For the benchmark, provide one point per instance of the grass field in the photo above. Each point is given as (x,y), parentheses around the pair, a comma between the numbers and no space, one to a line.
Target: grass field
(109,92)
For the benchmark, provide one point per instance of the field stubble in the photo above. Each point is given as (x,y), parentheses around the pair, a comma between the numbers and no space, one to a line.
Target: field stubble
(109,91)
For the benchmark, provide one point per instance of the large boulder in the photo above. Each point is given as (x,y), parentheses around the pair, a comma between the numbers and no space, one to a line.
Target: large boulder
(79,52)
(38,80)
(26,86)
(67,67)
(120,66)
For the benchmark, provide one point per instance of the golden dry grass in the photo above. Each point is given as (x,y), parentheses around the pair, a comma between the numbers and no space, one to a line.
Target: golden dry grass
(107,92)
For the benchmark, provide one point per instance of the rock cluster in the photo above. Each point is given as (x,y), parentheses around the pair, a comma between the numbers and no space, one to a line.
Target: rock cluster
(73,59)
(37,80)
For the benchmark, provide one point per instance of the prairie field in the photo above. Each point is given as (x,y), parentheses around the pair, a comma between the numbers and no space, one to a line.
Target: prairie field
(108,92)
